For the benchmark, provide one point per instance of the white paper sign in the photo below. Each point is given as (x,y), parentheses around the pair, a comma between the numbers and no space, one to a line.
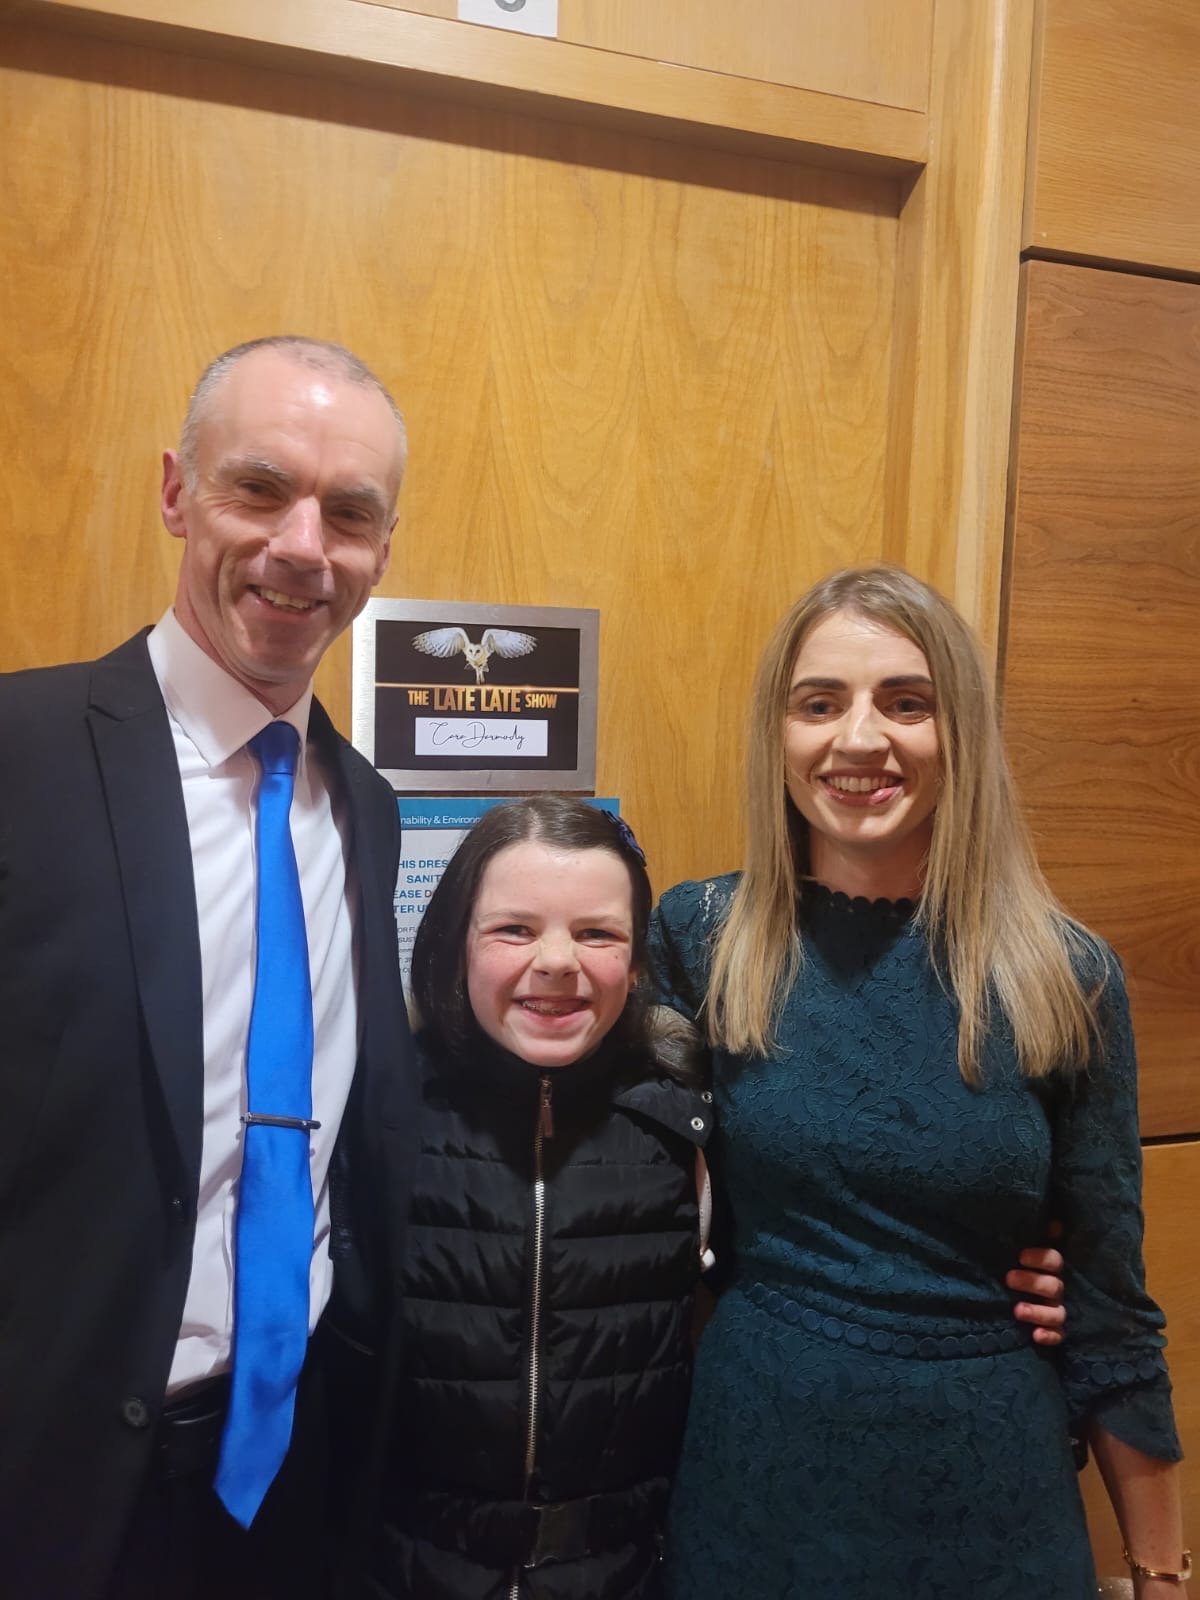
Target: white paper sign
(480,736)
(523,16)
(426,852)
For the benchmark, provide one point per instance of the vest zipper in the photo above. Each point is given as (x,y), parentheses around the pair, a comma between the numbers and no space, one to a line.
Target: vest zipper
(544,1130)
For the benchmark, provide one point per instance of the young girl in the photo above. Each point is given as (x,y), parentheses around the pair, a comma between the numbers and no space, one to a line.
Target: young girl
(554,1238)
(539,1372)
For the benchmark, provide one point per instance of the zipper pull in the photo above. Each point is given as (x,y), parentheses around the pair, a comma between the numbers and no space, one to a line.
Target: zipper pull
(546,1111)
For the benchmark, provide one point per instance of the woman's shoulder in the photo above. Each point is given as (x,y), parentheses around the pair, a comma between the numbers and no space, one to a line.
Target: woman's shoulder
(682,931)
(1101,978)
(697,903)
(1096,965)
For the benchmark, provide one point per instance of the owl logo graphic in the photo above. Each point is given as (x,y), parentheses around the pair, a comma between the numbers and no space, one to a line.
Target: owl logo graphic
(504,642)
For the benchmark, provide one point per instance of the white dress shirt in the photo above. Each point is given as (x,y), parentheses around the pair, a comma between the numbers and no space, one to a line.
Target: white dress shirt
(212,719)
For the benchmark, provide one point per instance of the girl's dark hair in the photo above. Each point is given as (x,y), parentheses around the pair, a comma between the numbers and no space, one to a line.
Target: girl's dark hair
(439,962)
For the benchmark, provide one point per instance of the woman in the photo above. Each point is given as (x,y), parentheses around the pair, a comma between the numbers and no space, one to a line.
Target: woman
(919,1060)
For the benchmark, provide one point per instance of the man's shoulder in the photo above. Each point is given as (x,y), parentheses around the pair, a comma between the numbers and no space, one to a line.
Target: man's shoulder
(41,683)
(67,686)
(334,745)
(353,768)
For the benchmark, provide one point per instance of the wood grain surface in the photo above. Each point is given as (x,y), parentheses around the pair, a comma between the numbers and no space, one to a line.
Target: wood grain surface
(874,50)
(410,53)
(956,310)
(1103,646)
(1115,168)
(637,377)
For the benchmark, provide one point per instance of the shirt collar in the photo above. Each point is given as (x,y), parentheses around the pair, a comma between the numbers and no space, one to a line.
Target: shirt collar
(218,714)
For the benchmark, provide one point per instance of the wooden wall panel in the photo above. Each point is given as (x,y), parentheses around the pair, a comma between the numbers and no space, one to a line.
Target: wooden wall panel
(1115,164)
(960,163)
(1171,1182)
(956,310)
(637,377)
(1103,648)
(405,52)
(865,49)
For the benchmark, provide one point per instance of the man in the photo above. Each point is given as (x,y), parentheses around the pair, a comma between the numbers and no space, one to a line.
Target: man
(136,828)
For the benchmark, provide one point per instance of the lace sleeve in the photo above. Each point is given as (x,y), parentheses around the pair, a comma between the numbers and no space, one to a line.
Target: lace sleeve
(1114,1369)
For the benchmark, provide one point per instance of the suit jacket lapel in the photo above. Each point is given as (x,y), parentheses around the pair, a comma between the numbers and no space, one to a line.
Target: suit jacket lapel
(136,756)
(378,981)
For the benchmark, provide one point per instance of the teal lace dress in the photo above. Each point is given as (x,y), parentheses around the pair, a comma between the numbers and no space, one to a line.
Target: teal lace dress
(868,1421)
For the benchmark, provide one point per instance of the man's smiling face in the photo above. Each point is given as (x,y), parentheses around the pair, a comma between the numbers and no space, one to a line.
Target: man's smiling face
(286,513)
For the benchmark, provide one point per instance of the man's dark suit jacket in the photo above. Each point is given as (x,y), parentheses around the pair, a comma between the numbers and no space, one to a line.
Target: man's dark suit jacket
(101,1093)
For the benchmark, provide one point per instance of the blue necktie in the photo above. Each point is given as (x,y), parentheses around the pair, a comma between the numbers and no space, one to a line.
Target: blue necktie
(274,1235)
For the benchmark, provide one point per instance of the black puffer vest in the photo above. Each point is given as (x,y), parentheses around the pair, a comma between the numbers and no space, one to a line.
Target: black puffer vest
(546,1361)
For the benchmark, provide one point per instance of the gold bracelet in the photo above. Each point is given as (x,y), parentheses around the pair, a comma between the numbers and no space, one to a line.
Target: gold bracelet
(1139,1571)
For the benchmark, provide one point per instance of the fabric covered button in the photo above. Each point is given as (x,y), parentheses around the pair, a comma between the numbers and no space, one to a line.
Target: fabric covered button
(927,1349)
(831,1328)
(1100,1372)
(856,1337)
(810,1320)
(791,1312)
(774,1302)
(990,1344)
(905,1344)
(880,1342)
(135,1412)
(1123,1372)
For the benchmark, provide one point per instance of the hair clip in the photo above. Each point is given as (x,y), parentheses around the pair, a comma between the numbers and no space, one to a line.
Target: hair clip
(626,834)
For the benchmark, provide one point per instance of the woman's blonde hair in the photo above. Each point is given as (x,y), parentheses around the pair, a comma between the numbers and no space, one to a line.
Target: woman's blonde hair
(995,930)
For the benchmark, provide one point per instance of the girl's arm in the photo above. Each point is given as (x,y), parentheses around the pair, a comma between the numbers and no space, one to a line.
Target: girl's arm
(1145,1495)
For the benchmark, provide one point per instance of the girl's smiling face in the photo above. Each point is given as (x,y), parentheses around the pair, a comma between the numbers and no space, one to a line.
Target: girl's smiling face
(862,753)
(549,950)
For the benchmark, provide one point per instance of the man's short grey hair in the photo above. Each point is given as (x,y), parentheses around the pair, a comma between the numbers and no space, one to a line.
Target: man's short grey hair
(320,354)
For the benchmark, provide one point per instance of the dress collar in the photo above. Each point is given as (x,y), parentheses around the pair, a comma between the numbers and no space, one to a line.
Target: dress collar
(852,933)
(817,900)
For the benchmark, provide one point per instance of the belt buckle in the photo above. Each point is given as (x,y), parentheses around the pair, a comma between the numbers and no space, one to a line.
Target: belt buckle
(188,1438)
(561,1533)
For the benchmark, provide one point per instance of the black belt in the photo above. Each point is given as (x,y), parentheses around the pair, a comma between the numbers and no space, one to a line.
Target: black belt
(188,1436)
(525,1534)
